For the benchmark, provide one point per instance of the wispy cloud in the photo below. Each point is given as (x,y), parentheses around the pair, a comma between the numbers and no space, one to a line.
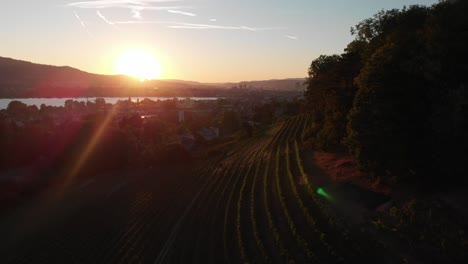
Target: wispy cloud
(100,4)
(291,37)
(183,25)
(136,13)
(180,25)
(248,28)
(135,6)
(200,26)
(105,19)
(156,8)
(79,19)
(129,22)
(261,28)
(82,23)
(181,13)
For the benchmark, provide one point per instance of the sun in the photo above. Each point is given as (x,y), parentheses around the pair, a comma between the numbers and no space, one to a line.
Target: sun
(139,64)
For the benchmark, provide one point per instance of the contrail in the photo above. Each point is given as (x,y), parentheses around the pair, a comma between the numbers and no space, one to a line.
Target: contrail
(116,3)
(210,26)
(181,13)
(105,19)
(82,23)
(291,37)
(248,28)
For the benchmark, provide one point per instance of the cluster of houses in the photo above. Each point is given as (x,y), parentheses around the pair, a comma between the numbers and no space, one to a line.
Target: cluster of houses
(173,110)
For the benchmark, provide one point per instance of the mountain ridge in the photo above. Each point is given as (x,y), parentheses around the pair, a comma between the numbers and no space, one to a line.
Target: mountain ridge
(20,78)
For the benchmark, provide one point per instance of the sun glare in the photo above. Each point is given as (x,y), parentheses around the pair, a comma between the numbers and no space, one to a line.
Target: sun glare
(139,64)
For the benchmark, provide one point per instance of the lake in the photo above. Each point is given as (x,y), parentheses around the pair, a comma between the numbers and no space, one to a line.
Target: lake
(61,101)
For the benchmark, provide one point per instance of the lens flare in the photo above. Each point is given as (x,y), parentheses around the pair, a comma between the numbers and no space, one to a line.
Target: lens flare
(321,191)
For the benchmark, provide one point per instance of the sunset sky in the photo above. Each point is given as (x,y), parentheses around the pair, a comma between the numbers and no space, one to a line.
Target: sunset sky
(201,40)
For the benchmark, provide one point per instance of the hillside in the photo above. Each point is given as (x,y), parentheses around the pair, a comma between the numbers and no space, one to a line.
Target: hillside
(252,200)
(255,200)
(249,203)
(26,79)
(21,79)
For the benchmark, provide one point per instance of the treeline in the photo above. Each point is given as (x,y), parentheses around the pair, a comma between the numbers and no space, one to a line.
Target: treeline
(397,98)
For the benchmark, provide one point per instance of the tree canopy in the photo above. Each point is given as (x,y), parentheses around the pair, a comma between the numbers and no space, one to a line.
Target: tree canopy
(397,98)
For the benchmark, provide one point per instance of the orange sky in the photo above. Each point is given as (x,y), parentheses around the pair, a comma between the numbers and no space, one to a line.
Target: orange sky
(200,40)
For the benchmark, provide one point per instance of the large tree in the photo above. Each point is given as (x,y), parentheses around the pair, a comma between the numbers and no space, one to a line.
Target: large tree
(330,92)
(399,94)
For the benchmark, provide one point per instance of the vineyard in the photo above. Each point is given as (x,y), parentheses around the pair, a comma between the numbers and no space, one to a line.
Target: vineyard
(254,202)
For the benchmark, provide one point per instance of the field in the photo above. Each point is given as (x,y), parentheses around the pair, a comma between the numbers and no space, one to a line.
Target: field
(250,202)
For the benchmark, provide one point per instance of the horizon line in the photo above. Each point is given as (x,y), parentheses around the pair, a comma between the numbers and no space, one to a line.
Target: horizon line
(156,79)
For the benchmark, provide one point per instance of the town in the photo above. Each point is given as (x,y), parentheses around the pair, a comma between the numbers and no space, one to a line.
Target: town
(38,141)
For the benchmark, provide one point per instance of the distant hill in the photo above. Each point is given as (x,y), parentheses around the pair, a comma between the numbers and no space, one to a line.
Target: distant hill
(291,84)
(19,79)
(26,79)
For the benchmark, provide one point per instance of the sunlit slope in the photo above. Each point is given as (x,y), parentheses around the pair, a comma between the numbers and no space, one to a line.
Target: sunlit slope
(259,205)
(251,202)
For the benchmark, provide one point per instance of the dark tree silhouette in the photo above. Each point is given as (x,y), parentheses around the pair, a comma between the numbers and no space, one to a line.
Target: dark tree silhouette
(402,85)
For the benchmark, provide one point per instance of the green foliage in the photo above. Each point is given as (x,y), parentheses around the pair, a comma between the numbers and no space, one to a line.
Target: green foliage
(386,119)
(405,93)
(322,65)
(330,91)
(398,96)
